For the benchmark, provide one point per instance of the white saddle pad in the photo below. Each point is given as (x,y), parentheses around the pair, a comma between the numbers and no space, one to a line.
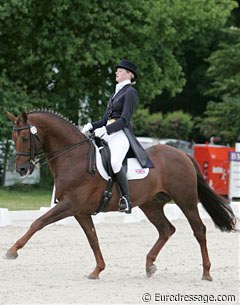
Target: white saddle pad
(135,170)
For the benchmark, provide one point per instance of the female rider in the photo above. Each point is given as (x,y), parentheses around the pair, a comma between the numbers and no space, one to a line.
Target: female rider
(115,128)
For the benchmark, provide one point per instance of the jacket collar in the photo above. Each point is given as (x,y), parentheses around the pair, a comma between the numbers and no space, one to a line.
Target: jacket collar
(120,85)
(120,91)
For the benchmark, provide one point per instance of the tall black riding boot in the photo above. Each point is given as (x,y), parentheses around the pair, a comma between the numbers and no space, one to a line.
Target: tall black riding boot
(124,203)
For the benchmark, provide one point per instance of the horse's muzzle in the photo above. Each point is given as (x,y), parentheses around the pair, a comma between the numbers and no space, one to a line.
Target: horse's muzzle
(25,169)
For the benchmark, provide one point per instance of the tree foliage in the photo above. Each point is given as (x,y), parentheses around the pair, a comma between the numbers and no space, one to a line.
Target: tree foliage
(146,124)
(12,98)
(61,54)
(222,115)
(224,70)
(222,120)
(177,125)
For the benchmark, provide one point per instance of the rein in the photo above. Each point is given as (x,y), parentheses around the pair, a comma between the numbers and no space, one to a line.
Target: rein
(43,160)
(60,151)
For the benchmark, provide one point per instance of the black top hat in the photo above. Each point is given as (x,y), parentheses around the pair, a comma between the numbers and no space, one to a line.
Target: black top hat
(130,66)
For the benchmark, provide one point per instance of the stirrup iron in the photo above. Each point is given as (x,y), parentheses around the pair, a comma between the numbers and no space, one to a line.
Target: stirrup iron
(124,205)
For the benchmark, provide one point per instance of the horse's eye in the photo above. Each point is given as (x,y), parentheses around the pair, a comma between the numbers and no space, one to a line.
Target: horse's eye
(24,138)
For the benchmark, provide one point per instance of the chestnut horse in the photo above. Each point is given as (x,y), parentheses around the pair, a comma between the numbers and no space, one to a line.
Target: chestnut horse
(176,176)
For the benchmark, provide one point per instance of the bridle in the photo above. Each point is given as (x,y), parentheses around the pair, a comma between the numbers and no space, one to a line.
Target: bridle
(39,158)
(32,154)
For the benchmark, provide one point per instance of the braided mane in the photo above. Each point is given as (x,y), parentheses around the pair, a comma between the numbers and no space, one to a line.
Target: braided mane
(55,114)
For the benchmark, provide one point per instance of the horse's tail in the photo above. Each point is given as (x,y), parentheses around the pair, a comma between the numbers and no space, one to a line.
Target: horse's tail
(216,205)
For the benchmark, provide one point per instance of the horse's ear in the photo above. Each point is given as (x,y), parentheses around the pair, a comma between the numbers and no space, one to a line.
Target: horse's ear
(24,117)
(11,117)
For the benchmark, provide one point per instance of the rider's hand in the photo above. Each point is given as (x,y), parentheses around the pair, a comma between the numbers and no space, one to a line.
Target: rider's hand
(99,132)
(87,128)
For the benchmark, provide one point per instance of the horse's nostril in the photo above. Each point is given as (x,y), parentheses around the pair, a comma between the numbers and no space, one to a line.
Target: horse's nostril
(22,170)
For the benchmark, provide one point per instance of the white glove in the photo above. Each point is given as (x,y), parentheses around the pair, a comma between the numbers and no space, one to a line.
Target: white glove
(86,128)
(99,132)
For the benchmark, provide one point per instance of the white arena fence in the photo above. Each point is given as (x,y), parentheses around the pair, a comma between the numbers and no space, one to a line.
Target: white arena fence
(172,212)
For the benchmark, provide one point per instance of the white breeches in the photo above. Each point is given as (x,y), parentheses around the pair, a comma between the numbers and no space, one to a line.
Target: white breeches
(118,144)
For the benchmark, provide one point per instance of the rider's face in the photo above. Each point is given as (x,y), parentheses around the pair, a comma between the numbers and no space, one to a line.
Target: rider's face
(123,74)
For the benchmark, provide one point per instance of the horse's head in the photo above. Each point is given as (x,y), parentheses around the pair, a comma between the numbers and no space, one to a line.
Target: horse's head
(24,136)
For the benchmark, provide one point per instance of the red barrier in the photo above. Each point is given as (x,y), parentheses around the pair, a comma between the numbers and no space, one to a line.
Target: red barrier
(214,163)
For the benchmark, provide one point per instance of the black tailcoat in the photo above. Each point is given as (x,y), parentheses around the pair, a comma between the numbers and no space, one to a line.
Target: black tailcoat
(121,107)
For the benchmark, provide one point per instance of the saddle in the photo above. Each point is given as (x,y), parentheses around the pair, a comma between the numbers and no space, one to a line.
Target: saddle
(99,158)
(102,147)
(105,153)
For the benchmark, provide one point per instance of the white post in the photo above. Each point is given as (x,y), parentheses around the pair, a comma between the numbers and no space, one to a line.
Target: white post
(53,197)
(5,219)
(234,175)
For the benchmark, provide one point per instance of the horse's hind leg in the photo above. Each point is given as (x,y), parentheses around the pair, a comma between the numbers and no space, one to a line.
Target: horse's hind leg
(154,212)
(199,230)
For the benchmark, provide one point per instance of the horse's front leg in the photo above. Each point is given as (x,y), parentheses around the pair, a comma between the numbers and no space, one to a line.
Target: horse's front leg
(60,211)
(87,224)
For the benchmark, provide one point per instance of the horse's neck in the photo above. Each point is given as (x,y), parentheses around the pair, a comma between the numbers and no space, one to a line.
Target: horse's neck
(56,132)
(60,137)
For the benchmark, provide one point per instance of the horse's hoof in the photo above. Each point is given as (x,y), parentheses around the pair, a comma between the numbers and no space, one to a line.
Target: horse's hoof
(11,255)
(207,278)
(151,270)
(93,277)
